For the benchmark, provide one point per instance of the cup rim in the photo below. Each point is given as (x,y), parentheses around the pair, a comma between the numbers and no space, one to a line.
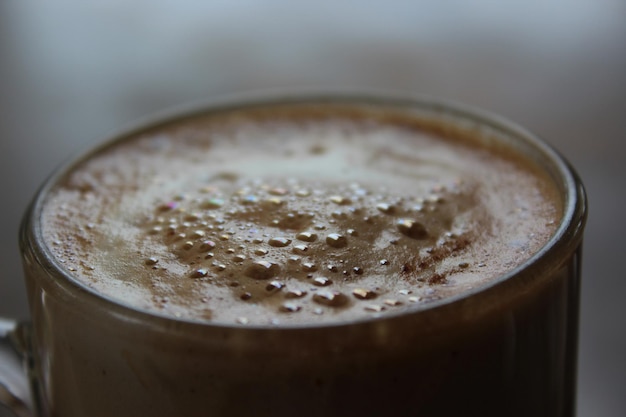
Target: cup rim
(566,238)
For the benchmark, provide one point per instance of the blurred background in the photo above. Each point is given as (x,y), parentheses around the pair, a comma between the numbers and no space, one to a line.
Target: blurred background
(72,71)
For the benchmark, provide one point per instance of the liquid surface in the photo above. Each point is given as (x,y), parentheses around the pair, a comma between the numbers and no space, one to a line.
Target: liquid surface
(293,215)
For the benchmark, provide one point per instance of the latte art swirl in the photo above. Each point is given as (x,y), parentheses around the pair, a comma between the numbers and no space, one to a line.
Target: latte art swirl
(296,215)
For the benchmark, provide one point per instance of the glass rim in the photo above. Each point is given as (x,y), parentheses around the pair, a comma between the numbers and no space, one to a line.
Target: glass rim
(565,239)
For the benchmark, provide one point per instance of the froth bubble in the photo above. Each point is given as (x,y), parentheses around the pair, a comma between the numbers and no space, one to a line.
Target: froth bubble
(322,281)
(213,203)
(199,273)
(386,208)
(262,270)
(279,242)
(412,228)
(169,206)
(278,191)
(295,294)
(309,266)
(219,266)
(330,298)
(300,249)
(337,199)
(151,261)
(303,193)
(207,245)
(274,286)
(364,294)
(289,308)
(249,199)
(375,308)
(336,240)
(307,236)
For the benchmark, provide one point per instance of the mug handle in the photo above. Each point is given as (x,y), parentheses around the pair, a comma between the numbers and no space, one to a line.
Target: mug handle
(14,364)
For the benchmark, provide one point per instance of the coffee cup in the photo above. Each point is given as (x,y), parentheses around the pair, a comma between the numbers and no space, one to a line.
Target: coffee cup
(303,254)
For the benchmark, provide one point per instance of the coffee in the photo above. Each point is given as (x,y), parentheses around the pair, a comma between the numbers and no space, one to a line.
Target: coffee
(308,256)
(300,214)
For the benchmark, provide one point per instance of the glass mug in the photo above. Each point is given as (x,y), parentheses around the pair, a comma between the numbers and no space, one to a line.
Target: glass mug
(506,348)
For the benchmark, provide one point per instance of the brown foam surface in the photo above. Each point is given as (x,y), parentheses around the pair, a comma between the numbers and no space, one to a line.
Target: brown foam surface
(296,215)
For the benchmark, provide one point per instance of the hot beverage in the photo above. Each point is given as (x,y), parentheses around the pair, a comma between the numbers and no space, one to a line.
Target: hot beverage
(311,257)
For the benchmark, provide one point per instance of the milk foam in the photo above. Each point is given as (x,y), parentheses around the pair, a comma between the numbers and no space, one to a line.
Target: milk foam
(295,215)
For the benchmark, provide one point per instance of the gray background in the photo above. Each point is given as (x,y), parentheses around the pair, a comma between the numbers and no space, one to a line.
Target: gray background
(72,71)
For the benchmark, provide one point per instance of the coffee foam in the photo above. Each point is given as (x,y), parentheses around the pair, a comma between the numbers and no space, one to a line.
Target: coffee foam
(295,215)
